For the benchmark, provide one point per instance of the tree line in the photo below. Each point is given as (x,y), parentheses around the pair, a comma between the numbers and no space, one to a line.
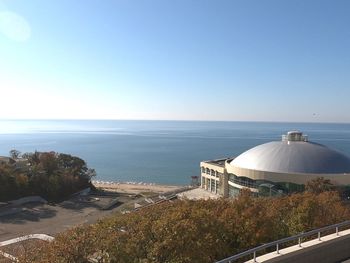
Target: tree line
(51,175)
(193,231)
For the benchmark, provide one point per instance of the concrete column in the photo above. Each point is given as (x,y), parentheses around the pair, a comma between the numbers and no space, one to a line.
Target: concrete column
(225,184)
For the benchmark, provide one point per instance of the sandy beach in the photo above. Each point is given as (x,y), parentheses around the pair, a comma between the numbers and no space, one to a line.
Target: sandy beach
(135,188)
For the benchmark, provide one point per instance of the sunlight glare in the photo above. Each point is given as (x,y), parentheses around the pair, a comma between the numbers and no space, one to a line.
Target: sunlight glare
(14,26)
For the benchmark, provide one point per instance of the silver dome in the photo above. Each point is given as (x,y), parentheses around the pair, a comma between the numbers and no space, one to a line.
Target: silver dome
(291,156)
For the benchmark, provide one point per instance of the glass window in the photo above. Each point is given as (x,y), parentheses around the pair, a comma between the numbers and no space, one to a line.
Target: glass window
(213,184)
(243,181)
(233,191)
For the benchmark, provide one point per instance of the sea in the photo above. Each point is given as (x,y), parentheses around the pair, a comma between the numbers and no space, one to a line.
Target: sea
(161,152)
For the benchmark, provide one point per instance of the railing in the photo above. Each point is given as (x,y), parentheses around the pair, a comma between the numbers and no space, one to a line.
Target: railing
(277,243)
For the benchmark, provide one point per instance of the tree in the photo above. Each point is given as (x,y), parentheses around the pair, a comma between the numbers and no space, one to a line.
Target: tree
(33,158)
(193,231)
(318,185)
(91,173)
(15,154)
(51,175)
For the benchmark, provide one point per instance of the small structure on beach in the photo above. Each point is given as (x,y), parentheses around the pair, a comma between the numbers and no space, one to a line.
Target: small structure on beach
(195,181)
(275,168)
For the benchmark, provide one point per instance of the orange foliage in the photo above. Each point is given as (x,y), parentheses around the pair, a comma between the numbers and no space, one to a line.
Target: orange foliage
(193,231)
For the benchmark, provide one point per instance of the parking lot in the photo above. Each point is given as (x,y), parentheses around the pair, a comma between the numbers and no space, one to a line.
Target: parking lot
(51,219)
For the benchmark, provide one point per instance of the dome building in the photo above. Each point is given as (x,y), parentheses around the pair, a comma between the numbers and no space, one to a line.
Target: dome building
(276,167)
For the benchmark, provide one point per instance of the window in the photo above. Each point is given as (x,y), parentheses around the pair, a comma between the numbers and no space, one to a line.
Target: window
(243,181)
(233,191)
(212,185)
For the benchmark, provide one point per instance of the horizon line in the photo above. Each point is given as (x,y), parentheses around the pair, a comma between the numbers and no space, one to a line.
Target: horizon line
(173,120)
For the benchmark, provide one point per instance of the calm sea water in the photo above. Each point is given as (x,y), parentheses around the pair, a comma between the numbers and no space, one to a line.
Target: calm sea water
(164,152)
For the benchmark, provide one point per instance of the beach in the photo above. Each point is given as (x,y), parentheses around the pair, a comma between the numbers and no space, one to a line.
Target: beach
(134,187)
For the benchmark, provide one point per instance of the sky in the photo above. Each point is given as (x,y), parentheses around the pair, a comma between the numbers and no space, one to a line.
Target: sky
(262,60)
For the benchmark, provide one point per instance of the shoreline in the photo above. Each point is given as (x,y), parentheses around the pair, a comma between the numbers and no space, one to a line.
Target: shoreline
(135,187)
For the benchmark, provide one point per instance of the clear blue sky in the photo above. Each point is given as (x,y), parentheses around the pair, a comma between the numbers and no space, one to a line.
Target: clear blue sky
(175,59)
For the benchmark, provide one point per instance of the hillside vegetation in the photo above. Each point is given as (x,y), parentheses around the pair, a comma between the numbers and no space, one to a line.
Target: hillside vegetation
(193,231)
(48,174)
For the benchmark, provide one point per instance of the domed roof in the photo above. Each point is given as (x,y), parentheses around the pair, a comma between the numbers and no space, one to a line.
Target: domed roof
(294,154)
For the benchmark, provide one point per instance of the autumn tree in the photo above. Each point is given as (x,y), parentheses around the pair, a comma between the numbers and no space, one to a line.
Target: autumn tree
(14,154)
(51,175)
(194,231)
(318,185)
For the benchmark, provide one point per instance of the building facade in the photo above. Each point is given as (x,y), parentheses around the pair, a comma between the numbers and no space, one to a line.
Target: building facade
(276,168)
